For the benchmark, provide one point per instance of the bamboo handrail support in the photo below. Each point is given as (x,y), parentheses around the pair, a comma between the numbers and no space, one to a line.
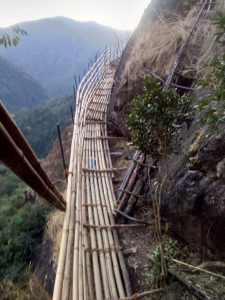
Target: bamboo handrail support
(20,141)
(14,158)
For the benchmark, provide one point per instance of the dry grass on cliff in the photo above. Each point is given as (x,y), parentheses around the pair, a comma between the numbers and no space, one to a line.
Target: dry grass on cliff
(54,231)
(158,45)
(53,162)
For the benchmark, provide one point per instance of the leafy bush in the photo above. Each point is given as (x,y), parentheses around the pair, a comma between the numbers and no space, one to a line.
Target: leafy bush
(21,237)
(21,228)
(11,37)
(220,24)
(153,118)
(154,123)
(170,251)
(213,105)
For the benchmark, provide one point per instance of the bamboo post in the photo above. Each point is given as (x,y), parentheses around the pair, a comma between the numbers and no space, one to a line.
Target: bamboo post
(62,151)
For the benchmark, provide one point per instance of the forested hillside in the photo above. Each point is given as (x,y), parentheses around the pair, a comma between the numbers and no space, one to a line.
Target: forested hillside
(39,124)
(21,227)
(17,88)
(57,48)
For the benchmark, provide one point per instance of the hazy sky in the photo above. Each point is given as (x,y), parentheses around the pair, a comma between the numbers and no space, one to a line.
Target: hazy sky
(121,14)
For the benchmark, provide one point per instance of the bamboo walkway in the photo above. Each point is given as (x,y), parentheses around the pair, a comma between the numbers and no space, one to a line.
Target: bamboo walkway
(91,264)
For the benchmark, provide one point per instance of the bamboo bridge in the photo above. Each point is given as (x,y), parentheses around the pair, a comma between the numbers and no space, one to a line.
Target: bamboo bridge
(91,264)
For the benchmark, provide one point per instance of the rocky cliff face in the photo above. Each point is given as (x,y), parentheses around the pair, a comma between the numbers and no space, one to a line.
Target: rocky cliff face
(194,198)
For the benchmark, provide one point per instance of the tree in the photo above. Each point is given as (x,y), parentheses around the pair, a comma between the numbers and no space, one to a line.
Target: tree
(154,122)
(11,37)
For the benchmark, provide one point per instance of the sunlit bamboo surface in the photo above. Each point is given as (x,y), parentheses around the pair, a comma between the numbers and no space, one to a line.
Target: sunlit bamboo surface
(91,264)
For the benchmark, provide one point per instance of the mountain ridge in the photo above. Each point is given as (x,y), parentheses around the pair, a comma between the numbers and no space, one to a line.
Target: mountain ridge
(57,48)
(19,89)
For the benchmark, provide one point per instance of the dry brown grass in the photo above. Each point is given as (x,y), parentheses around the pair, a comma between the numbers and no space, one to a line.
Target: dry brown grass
(53,162)
(10,290)
(157,47)
(54,231)
(37,290)
(199,137)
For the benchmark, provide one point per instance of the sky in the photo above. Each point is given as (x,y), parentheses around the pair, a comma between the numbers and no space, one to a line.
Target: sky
(119,14)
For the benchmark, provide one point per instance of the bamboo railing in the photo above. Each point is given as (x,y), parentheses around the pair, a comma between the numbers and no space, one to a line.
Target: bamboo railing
(91,264)
(16,153)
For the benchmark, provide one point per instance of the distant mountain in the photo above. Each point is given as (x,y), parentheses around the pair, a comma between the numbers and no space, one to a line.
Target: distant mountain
(39,124)
(17,88)
(56,48)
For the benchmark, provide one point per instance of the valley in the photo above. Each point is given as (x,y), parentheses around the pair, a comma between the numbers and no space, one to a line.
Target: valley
(142,196)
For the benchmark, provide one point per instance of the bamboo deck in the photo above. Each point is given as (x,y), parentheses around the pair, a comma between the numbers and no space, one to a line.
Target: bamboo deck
(91,264)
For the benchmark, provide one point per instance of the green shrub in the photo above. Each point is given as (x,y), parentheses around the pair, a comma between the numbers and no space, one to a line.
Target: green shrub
(21,228)
(213,105)
(153,119)
(20,238)
(171,251)
(220,24)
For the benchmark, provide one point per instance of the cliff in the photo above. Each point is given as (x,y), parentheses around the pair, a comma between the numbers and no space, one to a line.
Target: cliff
(193,201)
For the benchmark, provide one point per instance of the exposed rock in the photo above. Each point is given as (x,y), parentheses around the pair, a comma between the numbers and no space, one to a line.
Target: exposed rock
(30,196)
(194,200)
(42,281)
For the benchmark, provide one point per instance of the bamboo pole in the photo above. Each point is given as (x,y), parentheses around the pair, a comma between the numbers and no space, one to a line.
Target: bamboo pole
(57,293)
(108,196)
(97,276)
(14,158)
(104,233)
(115,259)
(107,283)
(96,273)
(19,139)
